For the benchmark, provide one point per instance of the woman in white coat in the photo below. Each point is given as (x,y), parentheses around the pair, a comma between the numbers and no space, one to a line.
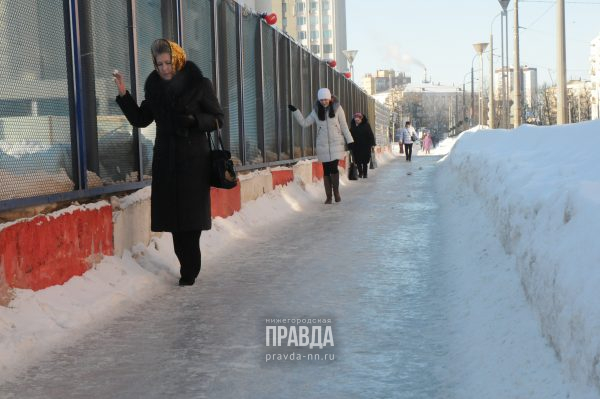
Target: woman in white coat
(332,136)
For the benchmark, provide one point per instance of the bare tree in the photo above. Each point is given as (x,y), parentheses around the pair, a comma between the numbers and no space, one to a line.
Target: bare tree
(547,104)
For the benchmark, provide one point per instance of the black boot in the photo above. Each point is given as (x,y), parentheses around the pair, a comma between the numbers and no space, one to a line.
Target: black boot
(335,182)
(327,185)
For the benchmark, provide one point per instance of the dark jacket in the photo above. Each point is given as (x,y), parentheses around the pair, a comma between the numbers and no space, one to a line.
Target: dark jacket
(180,198)
(364,139)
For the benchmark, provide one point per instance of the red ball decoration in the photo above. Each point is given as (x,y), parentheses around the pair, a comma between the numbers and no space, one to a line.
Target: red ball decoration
(332,63)
(347,75)
(271,19)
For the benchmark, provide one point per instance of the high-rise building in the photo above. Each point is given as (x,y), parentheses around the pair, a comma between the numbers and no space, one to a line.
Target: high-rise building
(383,80)
(529,89)
(595,76)
(319,25)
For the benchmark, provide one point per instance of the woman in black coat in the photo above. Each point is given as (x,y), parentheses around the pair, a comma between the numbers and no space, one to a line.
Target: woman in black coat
(184,106)
(364,141)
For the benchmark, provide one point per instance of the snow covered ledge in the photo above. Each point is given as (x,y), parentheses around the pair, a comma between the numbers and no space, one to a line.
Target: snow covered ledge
(48,250)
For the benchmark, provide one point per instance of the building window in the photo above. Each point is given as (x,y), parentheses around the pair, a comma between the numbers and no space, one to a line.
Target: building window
(314,6)
(315,48)
(325,5)
(328,48)
(302,35)
(300,7)
(327,34)
(301,20)
(314,20)
(314,34)
(325,19)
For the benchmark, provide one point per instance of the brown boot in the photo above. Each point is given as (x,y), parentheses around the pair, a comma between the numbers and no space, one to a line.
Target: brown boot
(335,183)
(327,184)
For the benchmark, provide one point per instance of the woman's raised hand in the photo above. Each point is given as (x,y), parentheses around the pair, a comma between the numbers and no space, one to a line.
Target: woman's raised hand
(118,78)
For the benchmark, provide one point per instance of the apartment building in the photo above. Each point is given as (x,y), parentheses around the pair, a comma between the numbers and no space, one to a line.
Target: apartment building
(383,80)
(595,76)
(529,86)
(319,25)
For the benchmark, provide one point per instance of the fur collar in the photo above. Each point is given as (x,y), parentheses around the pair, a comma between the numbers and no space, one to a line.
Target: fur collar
(334,103)
(188,77)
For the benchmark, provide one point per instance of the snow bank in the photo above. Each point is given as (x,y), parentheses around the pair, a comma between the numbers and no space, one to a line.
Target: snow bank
(542,188)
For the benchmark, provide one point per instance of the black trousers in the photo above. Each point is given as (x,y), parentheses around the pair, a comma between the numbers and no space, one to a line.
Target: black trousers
(408,151)
(330,168)
(362,169)
(187,249)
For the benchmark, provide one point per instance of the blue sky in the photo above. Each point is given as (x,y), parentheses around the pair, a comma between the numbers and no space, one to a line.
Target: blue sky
(404,34)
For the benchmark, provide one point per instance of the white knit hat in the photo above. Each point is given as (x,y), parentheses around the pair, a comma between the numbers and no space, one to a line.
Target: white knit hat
(324,94)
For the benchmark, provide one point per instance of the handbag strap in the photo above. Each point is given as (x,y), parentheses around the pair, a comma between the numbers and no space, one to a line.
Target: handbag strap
(211,144)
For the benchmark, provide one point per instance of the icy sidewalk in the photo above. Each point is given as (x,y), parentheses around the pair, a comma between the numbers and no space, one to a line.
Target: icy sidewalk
(367,263)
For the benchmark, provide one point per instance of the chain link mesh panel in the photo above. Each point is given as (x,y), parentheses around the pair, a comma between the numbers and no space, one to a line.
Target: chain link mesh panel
(283,65)
(270,105)
(228,51)
(116,151)
(307,101)
(149,28)
(296,80)
(198,35)
(250,26)
(35,135)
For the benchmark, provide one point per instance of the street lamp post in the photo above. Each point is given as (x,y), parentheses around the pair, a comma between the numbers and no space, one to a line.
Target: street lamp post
(480,48)
(492,104)
(503,36)
(517,72)
(561,117)
(350,56)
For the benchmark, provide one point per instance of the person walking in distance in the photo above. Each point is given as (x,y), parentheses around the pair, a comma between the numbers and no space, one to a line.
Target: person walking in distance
(364,141)
(408,137)
(183,104)
(332,135)
(427,142)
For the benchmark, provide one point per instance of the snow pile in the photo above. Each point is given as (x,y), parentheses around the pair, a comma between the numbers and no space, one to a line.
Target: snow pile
(541,186)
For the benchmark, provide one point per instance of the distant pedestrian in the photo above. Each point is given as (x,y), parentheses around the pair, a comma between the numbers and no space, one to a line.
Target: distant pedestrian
(332,136)
(364,141)
(408,136)
(183,104)
(427,142)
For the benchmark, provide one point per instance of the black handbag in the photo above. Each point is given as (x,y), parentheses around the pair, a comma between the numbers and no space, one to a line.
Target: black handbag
(352,170)
(373,163)
(222,173)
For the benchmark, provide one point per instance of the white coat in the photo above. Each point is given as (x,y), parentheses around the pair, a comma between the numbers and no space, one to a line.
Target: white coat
(332,133)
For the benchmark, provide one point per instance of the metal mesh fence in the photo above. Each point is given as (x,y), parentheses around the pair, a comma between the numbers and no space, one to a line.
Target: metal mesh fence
(148,20)
(270,106)
(296,98)
(61,131)
(228,51)
(283,64)
(307,101)
(110,51)
(250,27)
(35,130)
(198,34)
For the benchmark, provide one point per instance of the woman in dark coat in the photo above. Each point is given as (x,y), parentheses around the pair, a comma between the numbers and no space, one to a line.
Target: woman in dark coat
(364,141)
(184,106)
